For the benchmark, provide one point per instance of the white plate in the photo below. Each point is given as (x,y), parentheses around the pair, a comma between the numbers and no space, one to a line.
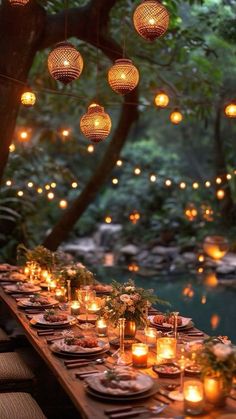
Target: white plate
(39,319)
(143,382)
(60,345)
(185,322)
(22,290)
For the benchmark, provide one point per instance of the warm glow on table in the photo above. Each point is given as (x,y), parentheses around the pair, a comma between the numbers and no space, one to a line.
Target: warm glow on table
(93,308)
(193,397)
(140,355)
(166,348)
(101,327)
(75,307)
(150,336)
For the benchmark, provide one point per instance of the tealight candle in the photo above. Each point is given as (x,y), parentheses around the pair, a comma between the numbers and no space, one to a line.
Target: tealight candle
(52,286)
(75,307)
(140,355)
(101,327)
(60,294)
(193,397)
(166,348)
(93,308)
(151,336)
(214,390)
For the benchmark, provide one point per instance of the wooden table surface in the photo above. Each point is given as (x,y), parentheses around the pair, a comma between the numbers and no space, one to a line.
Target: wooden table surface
(89,407)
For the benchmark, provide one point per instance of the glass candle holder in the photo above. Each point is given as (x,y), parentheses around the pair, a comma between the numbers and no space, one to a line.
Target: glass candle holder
(93,307)
(52,285)
(150,336)
(193,397)
(139,355)
(215,390)
(166,348)
(74,308)
(101,325)
(60,294)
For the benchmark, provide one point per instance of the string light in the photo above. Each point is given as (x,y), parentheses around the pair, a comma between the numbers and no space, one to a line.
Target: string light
(228,176)
(30,184)
(12,148)
(63,204)
(115,181)
(20,193)
(153,178)
(230,109)
(161,99)
(218,180)
(207,184)
(220,194)
(176,117)
(74,185)
(23,136)
(201,258)
(53,185)
(8,182)
(28,98)
(47,187)
(65,133)
(182,185)
(200,270)
(168,182)
(119,163)
(40,190)
(137,171)
(50,195)
(204,299)
(108,219)
(195,185)
(90,148)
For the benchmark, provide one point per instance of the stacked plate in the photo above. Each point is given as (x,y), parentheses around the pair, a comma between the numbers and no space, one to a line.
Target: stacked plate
(59,347)
(138,388)
(27,303)
(22,289)
(38,320)
(186,324)
(12,277)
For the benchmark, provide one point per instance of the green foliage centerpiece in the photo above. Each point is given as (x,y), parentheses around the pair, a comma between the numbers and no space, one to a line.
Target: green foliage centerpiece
(218,365)
(129,302)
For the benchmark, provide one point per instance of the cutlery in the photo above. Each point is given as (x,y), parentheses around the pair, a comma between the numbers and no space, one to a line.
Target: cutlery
(45,332)
(79,362)
(82,375)
(137,411)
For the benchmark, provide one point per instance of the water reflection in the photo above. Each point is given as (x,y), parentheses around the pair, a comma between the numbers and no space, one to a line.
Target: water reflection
(215,321)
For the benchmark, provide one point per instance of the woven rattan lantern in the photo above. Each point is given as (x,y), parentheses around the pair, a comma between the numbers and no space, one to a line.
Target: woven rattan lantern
(95,124)
(123,76)
(28,98)
(18,2)
(230,109)
(151,19)
(161,99)
(176,117)
(65,63)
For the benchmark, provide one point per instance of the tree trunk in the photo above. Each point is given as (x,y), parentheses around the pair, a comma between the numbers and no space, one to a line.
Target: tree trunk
(65,224)
(227,204)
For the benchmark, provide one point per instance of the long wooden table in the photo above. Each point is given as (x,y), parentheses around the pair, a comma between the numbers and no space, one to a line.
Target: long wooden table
(88,407)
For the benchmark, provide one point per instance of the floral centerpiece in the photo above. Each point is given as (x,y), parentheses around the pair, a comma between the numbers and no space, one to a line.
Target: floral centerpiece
(40,255)
(218,365)
(77,274)
(129,302)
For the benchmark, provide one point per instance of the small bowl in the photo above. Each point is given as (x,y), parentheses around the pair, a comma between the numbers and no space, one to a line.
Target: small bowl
(167,370)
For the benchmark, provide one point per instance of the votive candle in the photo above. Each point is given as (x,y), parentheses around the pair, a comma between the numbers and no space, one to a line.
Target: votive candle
(101,327)
(193,397)
(166,348)
(93,308)
(140,355)
(60,294)
(75,307)
(151,336)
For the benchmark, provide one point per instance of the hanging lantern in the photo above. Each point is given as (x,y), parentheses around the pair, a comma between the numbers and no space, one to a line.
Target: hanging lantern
(191,212)
(65,63)
(95,124)
(161,99)
(134,217)
(28,98)
(176,117)
(230,109)
(18,2)
(123,76)
(151,19)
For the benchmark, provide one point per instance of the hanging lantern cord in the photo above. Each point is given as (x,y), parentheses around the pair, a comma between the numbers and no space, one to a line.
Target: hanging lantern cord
(97,57)
(124,40)
(66,18)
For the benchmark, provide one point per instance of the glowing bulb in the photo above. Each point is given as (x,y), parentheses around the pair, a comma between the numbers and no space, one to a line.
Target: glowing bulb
(207,184)
(204,299)
(47,187)
(108,219)
(39,190)
(152,21)
(53,185)
(230,110)
(137,171)
(220,194)
(176,117)
(153,178)
(12,148)
(195,185)
(168,182)
(96,122)
(115,181)
(63,204)
(65,132)
(161,100)
(218,180)
(23,136)
(30,184)
(74,185)
(123,76)
(182,185)
(20,193)
(201,258)
(66,63)
(50,195)
(8,182)
(228,176)
(119,163)
(90,148)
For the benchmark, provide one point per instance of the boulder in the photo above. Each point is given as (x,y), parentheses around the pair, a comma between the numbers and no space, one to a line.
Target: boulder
(225,269)
(189,257)
(169,251)
(80,246)
(130,250)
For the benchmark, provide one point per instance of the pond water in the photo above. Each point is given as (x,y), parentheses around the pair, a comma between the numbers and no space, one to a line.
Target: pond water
(211,306)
